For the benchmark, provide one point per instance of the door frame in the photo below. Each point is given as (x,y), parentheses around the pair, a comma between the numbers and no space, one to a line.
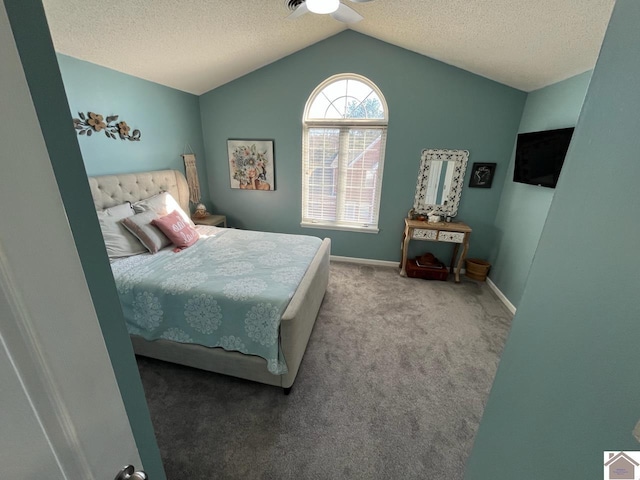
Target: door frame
(29,29)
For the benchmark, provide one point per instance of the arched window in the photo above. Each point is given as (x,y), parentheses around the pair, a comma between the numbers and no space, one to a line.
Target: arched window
(344,136)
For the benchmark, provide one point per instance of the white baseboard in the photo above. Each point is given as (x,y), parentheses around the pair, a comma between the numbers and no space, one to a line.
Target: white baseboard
(510,306)
(369,261)
(365,261)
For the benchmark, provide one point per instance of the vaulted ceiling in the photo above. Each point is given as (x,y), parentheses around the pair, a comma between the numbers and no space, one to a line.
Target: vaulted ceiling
(198,45)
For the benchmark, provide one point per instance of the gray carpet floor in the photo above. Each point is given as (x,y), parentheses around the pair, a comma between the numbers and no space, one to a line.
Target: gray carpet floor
(392,386)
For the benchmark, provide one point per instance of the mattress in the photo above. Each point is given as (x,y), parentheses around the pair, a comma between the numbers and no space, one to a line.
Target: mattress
(229,290)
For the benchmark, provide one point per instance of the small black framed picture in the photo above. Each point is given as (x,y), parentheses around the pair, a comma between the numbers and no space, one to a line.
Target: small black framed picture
(482,175)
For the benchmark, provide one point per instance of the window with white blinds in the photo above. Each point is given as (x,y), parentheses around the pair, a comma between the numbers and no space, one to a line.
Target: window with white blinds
(344,138)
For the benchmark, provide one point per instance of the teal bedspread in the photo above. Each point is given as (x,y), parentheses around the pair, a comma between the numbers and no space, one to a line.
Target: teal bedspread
(228,290)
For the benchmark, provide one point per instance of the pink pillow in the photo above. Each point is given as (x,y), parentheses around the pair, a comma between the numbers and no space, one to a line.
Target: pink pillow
(177,230)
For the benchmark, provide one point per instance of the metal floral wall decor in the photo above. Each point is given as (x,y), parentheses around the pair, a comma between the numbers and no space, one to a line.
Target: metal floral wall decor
(94,122)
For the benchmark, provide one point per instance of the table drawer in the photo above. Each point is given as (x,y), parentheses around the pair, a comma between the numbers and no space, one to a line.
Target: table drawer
(453,237)
(424,234)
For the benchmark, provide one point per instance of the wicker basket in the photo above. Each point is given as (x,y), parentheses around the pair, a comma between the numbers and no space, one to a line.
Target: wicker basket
(477,269)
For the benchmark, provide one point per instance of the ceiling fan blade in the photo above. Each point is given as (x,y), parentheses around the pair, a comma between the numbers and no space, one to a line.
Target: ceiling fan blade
(299,11)
(346,14)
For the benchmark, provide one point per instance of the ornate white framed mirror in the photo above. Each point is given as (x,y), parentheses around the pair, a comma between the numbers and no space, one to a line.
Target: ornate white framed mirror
(440,181)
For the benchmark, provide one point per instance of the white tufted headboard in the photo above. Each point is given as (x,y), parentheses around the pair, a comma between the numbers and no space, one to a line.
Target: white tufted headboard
(111,190)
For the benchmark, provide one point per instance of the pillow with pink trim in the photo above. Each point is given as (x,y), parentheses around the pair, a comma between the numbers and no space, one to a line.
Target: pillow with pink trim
(180,233)
(151,237)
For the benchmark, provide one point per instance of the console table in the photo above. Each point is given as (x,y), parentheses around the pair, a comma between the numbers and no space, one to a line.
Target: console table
(454,232)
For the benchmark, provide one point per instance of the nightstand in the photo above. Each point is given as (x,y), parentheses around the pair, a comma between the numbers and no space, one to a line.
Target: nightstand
(211,220)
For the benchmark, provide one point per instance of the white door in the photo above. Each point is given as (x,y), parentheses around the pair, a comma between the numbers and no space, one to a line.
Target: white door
(61,415)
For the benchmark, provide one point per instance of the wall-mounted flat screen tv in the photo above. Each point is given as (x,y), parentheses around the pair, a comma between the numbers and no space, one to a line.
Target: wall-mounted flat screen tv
(540,155)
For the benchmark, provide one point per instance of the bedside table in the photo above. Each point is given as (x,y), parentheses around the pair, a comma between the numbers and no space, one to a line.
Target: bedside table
(211,220)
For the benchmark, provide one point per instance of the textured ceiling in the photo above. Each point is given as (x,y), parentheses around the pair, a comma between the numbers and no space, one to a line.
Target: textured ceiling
(197,45)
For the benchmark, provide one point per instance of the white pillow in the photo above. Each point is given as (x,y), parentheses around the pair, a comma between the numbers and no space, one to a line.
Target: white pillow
(151,237)
(117,239)
(163,204)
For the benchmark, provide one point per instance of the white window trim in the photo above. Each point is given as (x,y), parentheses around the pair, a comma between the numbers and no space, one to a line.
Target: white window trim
(337,123)
(339,226)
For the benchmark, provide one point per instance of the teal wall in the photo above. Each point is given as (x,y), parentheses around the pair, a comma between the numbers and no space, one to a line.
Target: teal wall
(431,105)
(167,118)
(38,58)
(568,385)
(523,208)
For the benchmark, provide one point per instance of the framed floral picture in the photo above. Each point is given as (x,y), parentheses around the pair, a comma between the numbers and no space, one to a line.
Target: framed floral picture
(251,164)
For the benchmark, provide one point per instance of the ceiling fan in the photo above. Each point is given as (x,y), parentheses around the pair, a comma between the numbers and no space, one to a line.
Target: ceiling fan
(338,10)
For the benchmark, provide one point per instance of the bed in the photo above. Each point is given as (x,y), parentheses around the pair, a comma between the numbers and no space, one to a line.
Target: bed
(299,313)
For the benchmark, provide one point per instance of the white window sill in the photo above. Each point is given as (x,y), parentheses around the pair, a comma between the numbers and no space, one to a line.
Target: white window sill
(345,228)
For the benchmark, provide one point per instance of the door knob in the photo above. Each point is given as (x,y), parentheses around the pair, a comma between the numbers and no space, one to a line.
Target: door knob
(129,473)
